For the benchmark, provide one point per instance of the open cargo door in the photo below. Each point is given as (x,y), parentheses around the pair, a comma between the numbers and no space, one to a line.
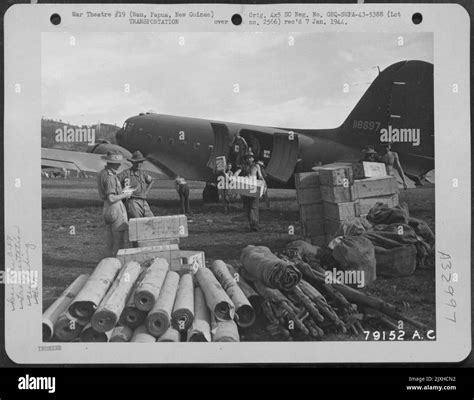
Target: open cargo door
(221,143)
(284,156)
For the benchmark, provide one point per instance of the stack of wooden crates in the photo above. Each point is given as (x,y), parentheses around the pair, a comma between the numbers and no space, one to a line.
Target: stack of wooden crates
(310,203)
(159,237)
(330,195)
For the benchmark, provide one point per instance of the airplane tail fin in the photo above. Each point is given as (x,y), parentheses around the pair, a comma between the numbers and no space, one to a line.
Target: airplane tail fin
(397,106)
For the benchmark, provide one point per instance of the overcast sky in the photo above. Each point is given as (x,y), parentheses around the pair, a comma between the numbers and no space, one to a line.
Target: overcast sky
(299,86)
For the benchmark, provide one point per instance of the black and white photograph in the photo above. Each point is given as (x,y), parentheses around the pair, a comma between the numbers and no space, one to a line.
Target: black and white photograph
(238,186)
(229,184)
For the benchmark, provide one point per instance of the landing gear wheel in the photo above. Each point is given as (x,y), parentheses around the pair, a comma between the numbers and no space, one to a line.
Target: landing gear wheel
(210,194)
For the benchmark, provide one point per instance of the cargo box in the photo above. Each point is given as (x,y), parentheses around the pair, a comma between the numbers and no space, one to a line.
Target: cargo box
(340,211)
(368,169)
(141,254)
(375,187)
(337,194)
(153,228)
(311,211)
(157,242)
(364,205)
(191,260)
(308,196)
(306,180)
(221,163)
(336,175)
(247,186)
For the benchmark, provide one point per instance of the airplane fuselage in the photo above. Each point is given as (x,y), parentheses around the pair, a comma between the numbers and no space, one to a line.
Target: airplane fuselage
(399,100)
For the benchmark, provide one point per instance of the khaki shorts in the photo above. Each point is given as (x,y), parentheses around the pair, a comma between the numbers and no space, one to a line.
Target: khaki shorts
(115,216)
(138,208)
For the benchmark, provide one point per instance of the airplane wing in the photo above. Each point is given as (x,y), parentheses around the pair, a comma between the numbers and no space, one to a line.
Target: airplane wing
(89,162)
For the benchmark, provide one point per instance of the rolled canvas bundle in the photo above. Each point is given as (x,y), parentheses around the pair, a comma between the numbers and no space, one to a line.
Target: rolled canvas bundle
(131,316)
(159,319)
(226,331)
(254,298)
(171,335)
(261,264)
(141,335)
(200,330)
(66,329)
(217,300)
(147,292)
(121,333)
(94,290)
(89,334)
(59,307)
(112,305)
(243,309)
(183,309)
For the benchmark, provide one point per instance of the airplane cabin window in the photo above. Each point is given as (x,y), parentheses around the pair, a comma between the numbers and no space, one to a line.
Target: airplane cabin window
(171,141)
(196,145)
(159,139)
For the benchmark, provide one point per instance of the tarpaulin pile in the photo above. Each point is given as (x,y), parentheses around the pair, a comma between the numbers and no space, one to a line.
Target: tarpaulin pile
(300,303)
(399,243)
(294,309)
(356,253)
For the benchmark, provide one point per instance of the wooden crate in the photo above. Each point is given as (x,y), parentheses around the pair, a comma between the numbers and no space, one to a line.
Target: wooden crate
(367,169)
(305,180)
(337,194)
(364,205)
(141,254)
(308,196)
(221,163)
(336,175)
(375,187)
(158,228)
(340,211)
(312,227)
(192,260)
(311,211)
(157,242)
(247,186)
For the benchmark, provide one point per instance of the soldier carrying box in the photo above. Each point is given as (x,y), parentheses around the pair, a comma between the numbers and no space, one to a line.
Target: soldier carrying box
(250,169)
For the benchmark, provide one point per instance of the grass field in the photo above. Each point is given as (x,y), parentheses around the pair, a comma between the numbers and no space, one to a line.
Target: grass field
(75,203)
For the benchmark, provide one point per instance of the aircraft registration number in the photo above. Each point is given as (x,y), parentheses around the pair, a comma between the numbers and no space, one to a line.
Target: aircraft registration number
(366,125)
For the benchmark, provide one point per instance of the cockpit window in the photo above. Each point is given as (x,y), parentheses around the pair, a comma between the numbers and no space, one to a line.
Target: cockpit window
(128,126)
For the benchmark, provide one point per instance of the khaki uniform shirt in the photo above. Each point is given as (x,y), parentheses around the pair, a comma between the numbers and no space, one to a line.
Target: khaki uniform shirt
(108,183)
(136,179)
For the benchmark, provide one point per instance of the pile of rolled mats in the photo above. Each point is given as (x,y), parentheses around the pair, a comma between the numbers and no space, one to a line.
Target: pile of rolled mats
(286,294)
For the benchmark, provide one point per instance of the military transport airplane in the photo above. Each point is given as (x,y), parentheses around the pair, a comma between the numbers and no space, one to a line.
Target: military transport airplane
(399,101)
